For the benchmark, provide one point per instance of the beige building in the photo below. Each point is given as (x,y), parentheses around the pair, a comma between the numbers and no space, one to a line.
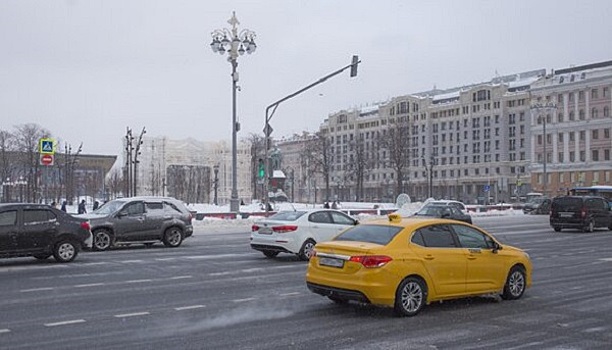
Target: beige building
(577,124)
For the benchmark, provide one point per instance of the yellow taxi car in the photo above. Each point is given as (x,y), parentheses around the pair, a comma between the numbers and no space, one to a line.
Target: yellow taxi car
(409,263)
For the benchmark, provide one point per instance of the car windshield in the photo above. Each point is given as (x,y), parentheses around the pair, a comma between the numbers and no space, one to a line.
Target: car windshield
(109,207)
(287,215)
(379,234)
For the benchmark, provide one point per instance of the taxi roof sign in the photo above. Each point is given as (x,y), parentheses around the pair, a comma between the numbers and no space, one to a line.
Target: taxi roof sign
(394,217)
(47,146)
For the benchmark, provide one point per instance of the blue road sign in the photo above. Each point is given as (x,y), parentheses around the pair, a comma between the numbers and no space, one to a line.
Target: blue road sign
(487,188)
(46,146)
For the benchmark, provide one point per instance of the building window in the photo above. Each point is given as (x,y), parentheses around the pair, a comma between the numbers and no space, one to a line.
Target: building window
(606,154)
(560,118)
(571,116)
(606,111)
(560,137)
(581,114)
(607,133)
(595,155)
(571,136)
(594,113)
(580,96)
(594,93)
(582,156)
(595,134)
(606,91)
(560,157)
(572,156)
(582,135)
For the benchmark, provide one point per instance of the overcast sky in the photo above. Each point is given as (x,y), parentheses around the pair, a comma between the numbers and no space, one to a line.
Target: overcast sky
(87,69)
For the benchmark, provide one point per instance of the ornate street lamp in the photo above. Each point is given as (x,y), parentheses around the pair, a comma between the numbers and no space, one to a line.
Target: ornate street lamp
(535,109)
(235,43)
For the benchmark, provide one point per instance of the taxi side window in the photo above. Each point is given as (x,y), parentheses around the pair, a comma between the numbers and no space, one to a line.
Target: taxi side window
(8,218)
(471,238)
(341,219)
(436,236)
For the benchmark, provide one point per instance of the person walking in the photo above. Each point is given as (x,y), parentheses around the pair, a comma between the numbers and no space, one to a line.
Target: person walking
(95,206)
(82,209)
(63,208)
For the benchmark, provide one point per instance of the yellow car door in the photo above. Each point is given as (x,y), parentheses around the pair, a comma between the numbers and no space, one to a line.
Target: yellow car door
(443,259)
(485,267)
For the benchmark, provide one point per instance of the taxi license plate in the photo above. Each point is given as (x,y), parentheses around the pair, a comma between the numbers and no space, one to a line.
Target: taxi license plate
(331,262)
(566,215)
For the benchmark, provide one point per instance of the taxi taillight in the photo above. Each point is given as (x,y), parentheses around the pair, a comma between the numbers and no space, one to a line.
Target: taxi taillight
(254,228)
(371,261)
(284,228)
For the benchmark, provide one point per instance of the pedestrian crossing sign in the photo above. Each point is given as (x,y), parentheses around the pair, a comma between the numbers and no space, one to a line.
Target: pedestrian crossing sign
(47,146)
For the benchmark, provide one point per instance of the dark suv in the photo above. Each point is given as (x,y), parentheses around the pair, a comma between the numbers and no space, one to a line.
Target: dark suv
(40,231)
(580,212)
(140,220)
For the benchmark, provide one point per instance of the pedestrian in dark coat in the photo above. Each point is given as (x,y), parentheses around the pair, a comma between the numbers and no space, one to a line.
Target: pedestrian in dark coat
(96,205)
(63,208)
(82,209)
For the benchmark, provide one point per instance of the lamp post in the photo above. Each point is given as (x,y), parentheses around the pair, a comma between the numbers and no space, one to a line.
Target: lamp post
(235,43)
(429,170)
(216,182)
(536,108)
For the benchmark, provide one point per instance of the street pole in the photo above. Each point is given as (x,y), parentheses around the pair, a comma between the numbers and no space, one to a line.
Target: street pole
(537,107)
(272,108)
(235,43)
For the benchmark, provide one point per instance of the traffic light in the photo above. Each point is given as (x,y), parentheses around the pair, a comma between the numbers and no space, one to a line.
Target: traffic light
(261,170)
(354,66)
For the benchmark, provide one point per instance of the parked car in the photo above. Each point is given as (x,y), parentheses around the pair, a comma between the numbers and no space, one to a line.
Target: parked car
(40,231)
(452,203)
(408,263)
(140,220)
(297,232)
(444,211)
(580,212)
(539,205)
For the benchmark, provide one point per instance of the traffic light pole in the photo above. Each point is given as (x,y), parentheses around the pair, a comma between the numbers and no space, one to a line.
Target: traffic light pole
(268,129)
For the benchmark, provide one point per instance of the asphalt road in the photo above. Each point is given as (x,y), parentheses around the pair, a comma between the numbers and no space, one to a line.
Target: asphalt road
(214,292)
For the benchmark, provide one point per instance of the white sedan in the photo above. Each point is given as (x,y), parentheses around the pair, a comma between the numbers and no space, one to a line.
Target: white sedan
(297,232)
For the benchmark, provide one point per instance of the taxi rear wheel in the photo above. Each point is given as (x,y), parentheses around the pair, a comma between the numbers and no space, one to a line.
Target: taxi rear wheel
(515,284)
(410,297)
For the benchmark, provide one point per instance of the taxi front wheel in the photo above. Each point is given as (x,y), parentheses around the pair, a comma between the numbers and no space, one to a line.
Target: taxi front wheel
(515,284)
(410,297)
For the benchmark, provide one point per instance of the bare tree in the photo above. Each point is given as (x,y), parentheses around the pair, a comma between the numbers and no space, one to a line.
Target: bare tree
(27,138)
(115,182)
(6,148)
(395,139)
(359,165)
(320,157)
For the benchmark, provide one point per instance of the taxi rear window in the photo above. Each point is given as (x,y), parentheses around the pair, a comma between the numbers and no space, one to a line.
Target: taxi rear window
(287,215)
(378,234)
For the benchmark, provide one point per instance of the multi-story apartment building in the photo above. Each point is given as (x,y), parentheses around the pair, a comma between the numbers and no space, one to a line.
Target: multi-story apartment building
(468,143)
(573,131)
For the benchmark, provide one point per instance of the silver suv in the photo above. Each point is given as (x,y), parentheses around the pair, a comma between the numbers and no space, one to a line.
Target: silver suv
(140,220)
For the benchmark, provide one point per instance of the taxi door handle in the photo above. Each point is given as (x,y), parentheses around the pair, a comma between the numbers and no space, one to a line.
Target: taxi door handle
(429,257)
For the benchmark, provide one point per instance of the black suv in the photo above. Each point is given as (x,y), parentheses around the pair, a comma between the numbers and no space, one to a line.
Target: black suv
(580,212)
(40,231)
(140,220)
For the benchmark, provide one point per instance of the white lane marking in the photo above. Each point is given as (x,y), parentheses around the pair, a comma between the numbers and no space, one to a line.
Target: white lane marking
(606,259)
(165,259)
(36,289)
(139,281)
(34,267)
(5,330)
(243,300)
(63,323)
(194,257)
(133,314)
(189,307)
(131,261)
(220,273)
(94,263)
(290,294)
(180,277)
(89,285)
